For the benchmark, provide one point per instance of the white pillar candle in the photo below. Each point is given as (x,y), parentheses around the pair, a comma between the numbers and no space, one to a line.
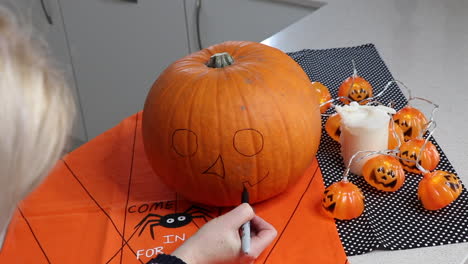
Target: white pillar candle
(363,127)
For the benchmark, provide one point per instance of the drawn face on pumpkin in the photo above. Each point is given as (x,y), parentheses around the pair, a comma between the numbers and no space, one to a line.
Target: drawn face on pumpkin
(241,142)
(384,176)
(328,201)
(406,127)
(411,121)
(358,93)
(221,119)
(384,173)
(411,149)
(453,182)
(411,155)
(355,88)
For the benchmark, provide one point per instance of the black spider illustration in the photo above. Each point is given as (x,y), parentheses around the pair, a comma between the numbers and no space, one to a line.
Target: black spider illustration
(173,220)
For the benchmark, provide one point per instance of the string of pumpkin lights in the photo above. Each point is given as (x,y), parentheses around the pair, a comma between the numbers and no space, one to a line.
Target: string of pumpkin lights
(409,149)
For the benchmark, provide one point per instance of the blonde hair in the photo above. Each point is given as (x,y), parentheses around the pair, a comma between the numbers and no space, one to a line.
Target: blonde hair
(36,114)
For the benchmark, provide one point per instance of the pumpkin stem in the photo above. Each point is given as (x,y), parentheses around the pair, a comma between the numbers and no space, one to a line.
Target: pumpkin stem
(220,60)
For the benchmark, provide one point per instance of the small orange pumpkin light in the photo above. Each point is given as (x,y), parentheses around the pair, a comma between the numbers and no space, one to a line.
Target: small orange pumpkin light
(355,88)
(324,96)
(438,189)
(410,150)
(395,136)
(343,200)
(332,126)
(411,121)
(384,173)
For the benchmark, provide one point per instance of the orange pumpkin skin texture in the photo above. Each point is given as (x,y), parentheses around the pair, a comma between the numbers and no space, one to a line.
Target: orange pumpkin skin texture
(332,126)
(411,121)
(438,189)
(384,173)
(324,95)
(392,139)
(360,90)
(410,150)
(208,132)
(343,200)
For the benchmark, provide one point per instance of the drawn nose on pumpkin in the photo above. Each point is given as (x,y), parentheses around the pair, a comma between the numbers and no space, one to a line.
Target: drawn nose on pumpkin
(217,168)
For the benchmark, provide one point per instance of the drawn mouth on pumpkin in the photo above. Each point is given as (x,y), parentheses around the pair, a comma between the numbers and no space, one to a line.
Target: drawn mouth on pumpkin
(360,97)
(410,167)
(408,132)
(392,184)
(245,183)
(338,132)
(452,185)
(331,207)
(217,169)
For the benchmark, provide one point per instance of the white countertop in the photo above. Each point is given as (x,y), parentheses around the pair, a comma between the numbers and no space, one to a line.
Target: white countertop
(424,43)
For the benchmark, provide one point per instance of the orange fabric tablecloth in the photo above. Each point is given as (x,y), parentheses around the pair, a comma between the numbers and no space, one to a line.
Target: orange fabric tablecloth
(88,211)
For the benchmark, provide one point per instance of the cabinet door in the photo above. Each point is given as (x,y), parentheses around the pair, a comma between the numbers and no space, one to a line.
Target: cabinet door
(253,20)
(118,50)
(32,12)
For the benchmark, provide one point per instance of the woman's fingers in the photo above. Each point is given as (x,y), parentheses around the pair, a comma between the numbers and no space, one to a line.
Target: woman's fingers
(265,234)
(237,216)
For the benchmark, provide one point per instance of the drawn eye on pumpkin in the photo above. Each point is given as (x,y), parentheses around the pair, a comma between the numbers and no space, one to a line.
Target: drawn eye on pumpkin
(248,142)
(358,93)
(184,142)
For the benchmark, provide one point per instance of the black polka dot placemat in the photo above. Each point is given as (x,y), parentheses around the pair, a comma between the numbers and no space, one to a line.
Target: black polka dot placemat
(391,221)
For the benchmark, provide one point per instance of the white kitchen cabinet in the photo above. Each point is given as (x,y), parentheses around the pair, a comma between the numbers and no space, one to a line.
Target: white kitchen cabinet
(253,20)
(119,47)
(32,12)
(118,50)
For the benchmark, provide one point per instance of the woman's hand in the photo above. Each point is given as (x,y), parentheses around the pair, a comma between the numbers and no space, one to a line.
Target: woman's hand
(218,241)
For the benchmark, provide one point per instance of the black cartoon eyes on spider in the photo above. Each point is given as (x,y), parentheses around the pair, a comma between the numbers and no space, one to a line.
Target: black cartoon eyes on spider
(174,220)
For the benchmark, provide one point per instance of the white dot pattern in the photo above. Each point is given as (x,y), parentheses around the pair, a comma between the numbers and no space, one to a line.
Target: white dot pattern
(391,221)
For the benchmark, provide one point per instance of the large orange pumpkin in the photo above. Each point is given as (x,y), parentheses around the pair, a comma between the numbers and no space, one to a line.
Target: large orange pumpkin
(234,115)
(438,189)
